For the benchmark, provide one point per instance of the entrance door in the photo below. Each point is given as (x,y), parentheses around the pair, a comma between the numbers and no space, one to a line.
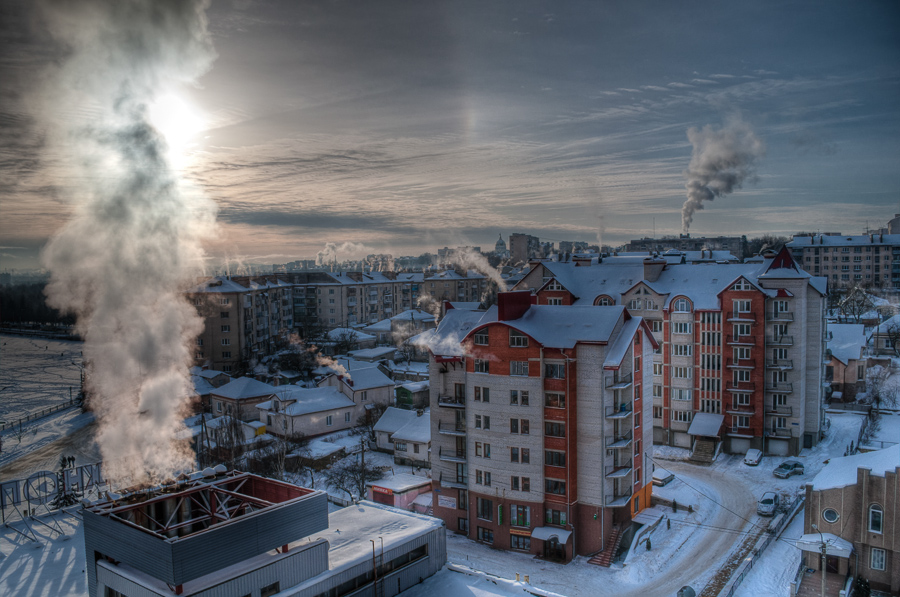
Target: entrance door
(553,550)
(831,564)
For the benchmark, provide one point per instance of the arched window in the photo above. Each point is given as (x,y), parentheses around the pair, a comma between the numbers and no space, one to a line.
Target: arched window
(604,301)
(682,305)
(876,518)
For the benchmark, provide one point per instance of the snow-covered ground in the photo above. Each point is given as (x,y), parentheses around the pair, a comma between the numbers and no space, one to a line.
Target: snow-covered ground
(42,432)
(37,373)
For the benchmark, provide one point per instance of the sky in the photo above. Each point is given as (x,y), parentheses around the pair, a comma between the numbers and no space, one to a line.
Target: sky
(407,126)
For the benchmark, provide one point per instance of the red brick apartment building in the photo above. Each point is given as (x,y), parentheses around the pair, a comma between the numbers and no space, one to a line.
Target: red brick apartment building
(741,346)
(541,424)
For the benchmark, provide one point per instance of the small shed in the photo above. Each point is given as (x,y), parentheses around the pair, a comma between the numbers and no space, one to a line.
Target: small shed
(399,490)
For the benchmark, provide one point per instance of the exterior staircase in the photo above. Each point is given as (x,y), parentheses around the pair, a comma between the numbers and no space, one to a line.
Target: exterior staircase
(605,557)
(704,451)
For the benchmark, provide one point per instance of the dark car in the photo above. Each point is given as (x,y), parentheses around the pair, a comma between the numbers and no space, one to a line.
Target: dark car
(788,468)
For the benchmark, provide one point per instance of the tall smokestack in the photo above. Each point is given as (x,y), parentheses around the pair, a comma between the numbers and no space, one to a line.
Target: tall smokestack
(720,163)
(133,245)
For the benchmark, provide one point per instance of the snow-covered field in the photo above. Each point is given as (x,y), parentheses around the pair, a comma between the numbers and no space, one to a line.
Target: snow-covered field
(36,373)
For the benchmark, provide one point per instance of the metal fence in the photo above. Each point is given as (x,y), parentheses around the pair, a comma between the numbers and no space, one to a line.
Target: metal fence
(771,535)
(38,414)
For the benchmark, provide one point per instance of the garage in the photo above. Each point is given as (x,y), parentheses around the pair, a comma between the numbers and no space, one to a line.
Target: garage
(778,447)
(681,439)
(739,445)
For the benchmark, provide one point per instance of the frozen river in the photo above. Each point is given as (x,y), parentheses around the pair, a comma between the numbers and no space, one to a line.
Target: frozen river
(36,373)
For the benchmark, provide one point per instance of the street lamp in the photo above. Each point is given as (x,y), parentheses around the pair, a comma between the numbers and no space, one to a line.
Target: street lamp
(824,547)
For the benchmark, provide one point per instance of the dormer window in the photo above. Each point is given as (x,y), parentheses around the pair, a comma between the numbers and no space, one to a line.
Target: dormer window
(554,285)
(517,338)
(742,285)
(681,305)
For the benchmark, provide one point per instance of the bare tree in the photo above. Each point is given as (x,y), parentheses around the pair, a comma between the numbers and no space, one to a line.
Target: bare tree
(882,393)
(365,423)
(351,474)
(856,304)
(344,342)
(892,332)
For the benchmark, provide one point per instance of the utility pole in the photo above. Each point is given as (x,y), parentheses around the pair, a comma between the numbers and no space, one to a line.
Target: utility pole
(824,551)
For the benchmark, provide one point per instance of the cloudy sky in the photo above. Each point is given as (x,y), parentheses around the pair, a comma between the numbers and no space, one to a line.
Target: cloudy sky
(407,126)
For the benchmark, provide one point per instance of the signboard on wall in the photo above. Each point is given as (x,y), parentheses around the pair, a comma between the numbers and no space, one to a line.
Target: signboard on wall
(383,490)
(446,502)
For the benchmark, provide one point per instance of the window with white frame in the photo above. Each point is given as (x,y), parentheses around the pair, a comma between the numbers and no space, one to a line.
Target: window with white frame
(681,305)
(681,327)
(347,417)
(742,285)
(711,338)
(226,329)
(329,421)
(481,337)
(657,368)
(482,394)
(555,370)
(740,421)
(877,559)
(481,366)
(741,329)
(681,394)
(741,306)
(635,304)
(604,301)
(554,285)
(651,306)
(226,341)
(517,338)
(741,399)
(876,518)
(681,416)
(742,353)
(656,325)
(518,368)
(682,350)
(657,391)
(681,372)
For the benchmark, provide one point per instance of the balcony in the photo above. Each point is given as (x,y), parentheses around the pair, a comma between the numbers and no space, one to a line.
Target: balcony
(742,431)
(740,386)
(619,472)
(781,387)
(741,409)
(742,317)
(782,316)
(451,455)
(741,340)
(618,442)
(452,401)
(457,429)
(780,364)
(780,340)
(351,302)
(455,482)
(780,411)
(741,363)
(622,411)
(783,432)
(615,382)
(618,499)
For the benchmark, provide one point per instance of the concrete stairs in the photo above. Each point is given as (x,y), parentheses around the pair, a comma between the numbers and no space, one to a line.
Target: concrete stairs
(704,451)
(605,557)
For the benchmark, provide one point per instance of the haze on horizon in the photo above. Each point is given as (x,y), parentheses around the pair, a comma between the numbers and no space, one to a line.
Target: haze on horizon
(410,126)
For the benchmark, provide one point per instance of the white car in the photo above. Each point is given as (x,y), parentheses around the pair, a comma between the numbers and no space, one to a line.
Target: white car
(753,457)
(767,504)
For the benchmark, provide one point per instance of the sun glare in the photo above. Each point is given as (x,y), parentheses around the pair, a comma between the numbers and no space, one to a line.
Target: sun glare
(178,120)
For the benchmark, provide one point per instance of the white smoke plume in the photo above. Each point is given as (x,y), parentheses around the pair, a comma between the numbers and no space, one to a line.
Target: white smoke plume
(329,255)
(428,304)
(325,361)
(471,259)
(133,244)
(720,163)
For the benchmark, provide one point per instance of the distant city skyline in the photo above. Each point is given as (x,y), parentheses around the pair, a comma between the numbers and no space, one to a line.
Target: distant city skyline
(408,127)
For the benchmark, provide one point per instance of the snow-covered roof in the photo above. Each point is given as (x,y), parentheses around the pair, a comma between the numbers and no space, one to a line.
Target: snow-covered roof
(207,373)
(451,274)
(244,387)
(353,335)
(393,419)
(841,471)
(622,343)
(379,352)
(888,324)
(380,327)
(466,305)
(408,366)
(847,341)
(834,545)
(560,326)
(368,378)
(219,284)
(201,386)
(297,401)
(445,339)
(416,430)
(706,424)
(318,448)
(400,482)
(829,240)
(424,499)
(415,386)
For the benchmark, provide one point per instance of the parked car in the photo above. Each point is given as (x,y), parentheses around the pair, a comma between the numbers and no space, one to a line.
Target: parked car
(753,457)
(767,504)
(788,468)
(662,477)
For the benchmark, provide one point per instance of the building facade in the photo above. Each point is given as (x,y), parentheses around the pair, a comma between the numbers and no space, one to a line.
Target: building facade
(863,260)
(539,424)
(741,344)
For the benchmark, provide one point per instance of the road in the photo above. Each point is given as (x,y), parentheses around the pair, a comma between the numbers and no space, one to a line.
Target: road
(79,444)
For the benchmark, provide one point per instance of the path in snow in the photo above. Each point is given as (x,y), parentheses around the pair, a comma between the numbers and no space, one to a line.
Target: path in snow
(37,373)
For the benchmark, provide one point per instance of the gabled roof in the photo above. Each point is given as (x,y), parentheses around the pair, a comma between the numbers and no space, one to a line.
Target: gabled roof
(559,326)
(847,341)
(841,471)
(393,419)
(455,325)
(308,400)
(363,378)
(416,430)
(243,388)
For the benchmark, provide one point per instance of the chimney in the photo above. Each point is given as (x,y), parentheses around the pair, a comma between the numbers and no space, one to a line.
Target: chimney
(513,305)
(653,268)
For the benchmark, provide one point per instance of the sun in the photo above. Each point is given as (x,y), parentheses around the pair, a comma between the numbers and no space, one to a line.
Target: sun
(178,120)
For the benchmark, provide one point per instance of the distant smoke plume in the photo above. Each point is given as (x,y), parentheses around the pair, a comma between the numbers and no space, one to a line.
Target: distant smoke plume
(426,303)
(720,163)
(329,255)
(471,259)
(133,245)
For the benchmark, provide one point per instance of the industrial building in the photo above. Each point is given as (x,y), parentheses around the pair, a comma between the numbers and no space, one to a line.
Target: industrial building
(231,534)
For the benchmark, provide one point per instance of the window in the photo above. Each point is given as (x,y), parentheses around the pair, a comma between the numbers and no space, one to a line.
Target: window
(657,391)
(657,412)
(329,421)
(224,314)
(860,372)
(399,446)
(554,458)
(741,329)
(482,450)
(711,338)
(514,454)
(520,426)
(681,305)
(657,368)
(481,338)
(226,329)
(364,395)
(554,400)
(604,301)
(477,421)
(554,301)
(742,353)
(218,406)
(555,486)
(742,306)
(226,341)
(876,559)
(486,535)
(681,416)
(199,341)
(481,366)
(681,327)
(656,325)
(517,338)
(681,372)
(224,301)
(226,368)
(711,406)
(554,429)
(520,483)
(482,394)
(681,350)
(269,590)
(518,368)
(555,370)
(519,543)
(518,397)
(635,304)
(740,422)
(742,285)
(876,518)
(484,509)
(483,478)
(226,354)
(557,517)
(681,394)
(741,399)
(415,448)
(463,524)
